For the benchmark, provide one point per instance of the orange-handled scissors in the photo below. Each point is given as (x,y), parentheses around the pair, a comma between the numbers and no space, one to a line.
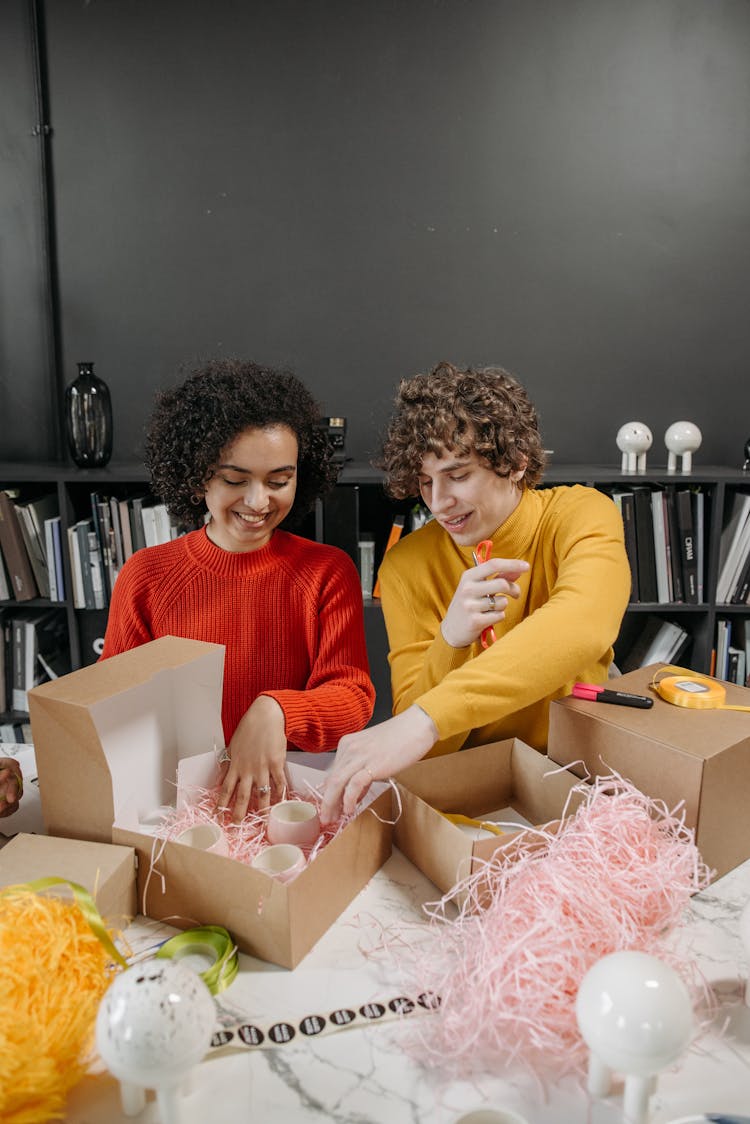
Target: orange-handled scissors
(482,554)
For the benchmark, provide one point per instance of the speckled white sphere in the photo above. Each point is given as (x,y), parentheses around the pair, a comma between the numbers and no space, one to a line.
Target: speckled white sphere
(634,437)
(634,1013)
(683,437)
(155,1022)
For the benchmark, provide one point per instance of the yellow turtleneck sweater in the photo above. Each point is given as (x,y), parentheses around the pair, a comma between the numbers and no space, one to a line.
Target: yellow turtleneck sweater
(559,631)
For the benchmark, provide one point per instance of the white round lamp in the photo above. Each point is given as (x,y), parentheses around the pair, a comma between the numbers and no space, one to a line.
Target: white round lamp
(635,1015)
(634,439)
(154,1024)
(682,439)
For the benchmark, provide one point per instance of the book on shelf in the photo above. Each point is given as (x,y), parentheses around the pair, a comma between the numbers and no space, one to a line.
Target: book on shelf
(114,515)
(741,593)
(626,506)
(102,549)
(732,594)
(32,515)
(5,685)
(699,526)
(22,580)
(675,556)
(733,539)
(76,570)
(136,522)
(5,590)
(723,642)
(395,533)
(738,663)
(687,545)
(98,571)
(157,526)
(660,641)
(661,557)
(644,534)
(53,549)
(39,651)
(125,529)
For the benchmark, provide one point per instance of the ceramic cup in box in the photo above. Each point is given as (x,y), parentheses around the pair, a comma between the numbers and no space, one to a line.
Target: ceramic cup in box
(293,821)
(282,861)
(204,837)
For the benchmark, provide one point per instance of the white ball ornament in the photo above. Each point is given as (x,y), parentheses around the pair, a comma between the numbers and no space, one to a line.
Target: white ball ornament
(635,1015)
(154,1024)
(634,439)
(682,439)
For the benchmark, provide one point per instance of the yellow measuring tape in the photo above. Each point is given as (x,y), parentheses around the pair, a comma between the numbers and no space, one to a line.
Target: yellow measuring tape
(466,821)
(210,950)
(696,692)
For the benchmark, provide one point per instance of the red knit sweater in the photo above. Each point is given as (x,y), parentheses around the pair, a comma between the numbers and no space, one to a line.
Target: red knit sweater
(289,615)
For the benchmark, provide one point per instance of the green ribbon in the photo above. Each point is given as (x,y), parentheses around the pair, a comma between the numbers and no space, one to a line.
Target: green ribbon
(206,938)
(86,905)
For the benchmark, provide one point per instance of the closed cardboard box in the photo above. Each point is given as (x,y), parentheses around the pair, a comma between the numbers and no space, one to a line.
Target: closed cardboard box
(699,758)
(109,741)
(105,870)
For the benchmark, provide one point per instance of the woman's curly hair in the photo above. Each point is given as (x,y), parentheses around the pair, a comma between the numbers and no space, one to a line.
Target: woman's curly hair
(193,423)
(483,410)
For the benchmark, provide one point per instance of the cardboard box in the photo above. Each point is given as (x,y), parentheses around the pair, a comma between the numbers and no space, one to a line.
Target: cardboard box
(105,870)
(474,783)
(701,757)
(109,741)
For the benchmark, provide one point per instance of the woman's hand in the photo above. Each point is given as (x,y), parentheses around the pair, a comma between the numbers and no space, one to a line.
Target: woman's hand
(480,599)
(257,754)
(374,754)
(11,786)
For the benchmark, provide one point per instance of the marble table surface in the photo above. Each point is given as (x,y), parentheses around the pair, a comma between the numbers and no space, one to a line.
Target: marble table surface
(364,1075)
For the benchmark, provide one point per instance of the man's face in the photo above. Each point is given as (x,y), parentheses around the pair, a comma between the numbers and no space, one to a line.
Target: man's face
(468,499)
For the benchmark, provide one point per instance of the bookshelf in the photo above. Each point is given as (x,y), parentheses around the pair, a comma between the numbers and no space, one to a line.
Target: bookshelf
(357,507)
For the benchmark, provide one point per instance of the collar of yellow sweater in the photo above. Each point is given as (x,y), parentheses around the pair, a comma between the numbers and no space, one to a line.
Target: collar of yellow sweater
(513,538)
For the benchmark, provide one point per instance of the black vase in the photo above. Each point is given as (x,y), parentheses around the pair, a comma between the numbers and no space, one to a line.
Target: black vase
(88,418)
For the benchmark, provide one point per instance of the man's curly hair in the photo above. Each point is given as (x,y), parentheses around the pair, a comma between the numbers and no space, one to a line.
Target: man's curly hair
(193,423)
(483,410)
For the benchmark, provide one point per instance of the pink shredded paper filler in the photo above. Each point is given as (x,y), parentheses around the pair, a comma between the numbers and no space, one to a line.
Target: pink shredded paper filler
(615,875)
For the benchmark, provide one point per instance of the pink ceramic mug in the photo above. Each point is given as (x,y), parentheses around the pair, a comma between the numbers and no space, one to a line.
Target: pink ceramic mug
(204,837)
(282,861)
(293,821)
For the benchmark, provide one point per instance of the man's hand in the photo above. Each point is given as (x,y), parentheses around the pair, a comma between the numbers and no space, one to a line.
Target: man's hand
(480,599)
(11,786)
(257,754)
(374,754)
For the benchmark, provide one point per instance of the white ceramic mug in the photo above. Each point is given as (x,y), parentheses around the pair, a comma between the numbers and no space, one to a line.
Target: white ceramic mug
(282,861)
(293,821)
(204,837)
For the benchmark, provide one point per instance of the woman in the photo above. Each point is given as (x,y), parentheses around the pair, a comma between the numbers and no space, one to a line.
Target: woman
(237,450)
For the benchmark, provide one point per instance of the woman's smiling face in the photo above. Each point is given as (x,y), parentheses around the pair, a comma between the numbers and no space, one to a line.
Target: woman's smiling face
(252,489)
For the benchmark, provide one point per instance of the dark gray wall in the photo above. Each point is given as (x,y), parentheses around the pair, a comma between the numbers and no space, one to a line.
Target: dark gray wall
(358,190)
(28,406)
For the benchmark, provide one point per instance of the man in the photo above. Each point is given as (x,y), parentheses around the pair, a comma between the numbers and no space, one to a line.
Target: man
(479,651)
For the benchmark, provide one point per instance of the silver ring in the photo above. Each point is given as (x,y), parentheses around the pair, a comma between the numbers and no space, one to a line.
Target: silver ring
(263,789)
(223,757)
(491,599)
